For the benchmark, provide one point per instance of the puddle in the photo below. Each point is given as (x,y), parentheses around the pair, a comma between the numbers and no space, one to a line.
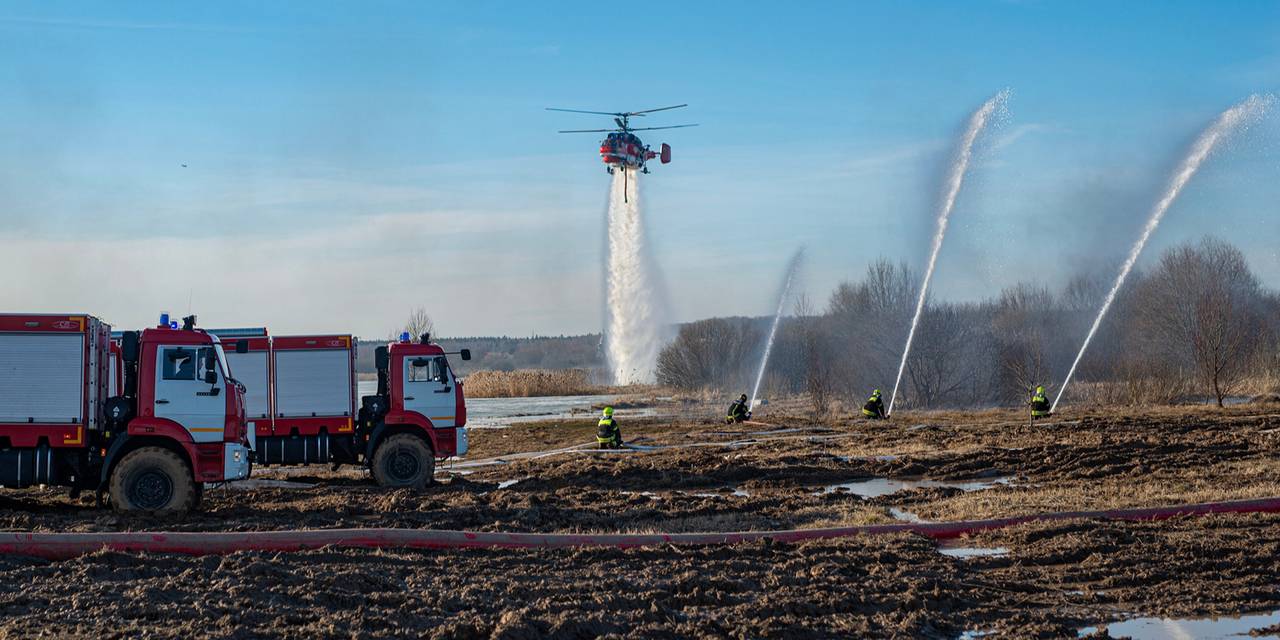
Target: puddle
(1191,629)
(906,516)
(720,493)
(508,483)
(876,487)
(965,553)
(648,494)
(970,635)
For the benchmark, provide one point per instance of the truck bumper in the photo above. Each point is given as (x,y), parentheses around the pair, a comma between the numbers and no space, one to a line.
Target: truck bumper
(236,462)
(463,445)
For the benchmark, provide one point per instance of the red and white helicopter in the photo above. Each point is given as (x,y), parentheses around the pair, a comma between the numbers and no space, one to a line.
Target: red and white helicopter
(621,147)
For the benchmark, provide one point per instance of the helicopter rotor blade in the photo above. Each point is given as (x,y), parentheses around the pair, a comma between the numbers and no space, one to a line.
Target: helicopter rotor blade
(640,113)
(586,130)
(674,126)
(599,113)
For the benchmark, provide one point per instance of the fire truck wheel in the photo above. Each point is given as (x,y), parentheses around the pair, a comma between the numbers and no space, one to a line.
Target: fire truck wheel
(404,460)
(153,480)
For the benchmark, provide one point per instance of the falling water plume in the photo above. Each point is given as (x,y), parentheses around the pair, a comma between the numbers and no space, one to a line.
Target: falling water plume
(788,278)
(1228,122)
(955,179)
(634,313)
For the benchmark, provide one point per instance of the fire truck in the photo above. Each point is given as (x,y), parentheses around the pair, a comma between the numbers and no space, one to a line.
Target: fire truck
(173,421)
(301,404)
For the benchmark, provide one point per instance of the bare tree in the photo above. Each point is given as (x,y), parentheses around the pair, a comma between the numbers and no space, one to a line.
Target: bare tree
(869,321)
(712,352)
(939,367)
(1202,306)
(816,368)
(1021,322)
(418,323)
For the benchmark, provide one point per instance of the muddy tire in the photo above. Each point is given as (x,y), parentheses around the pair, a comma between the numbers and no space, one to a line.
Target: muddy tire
(404,460)
(153,480)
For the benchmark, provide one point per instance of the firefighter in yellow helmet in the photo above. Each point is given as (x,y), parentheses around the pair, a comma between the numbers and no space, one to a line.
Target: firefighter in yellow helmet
(1039,402)
(608,435)
(874,408)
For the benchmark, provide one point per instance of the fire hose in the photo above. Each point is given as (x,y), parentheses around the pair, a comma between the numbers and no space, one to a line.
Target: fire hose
(58,546)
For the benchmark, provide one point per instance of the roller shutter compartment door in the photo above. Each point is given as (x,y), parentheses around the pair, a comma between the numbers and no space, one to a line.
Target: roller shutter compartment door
(42,378)
(313,382)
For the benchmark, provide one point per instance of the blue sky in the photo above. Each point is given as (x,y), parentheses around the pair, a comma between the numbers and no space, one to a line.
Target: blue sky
(349,161)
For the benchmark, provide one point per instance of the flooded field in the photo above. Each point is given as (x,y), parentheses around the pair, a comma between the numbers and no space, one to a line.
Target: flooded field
(694,474)
(500,412)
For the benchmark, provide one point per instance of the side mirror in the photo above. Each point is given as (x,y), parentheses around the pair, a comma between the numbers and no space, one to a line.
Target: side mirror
(381,358)
(466,354)
(210,363)
(211,377)
(242,346)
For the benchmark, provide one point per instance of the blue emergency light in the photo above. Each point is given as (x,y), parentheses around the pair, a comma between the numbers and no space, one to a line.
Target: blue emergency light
(404,336)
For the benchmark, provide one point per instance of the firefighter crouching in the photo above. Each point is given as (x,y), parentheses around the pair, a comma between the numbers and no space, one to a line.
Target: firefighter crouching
(608,435)
(874,408)
(738,411)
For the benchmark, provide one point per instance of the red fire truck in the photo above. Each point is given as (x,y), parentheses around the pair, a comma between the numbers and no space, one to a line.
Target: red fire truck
(301,403)
(176,422)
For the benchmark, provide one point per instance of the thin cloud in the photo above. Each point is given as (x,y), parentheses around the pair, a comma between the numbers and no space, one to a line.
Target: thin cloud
(121,25)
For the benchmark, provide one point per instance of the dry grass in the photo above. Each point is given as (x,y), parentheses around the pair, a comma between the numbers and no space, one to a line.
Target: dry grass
(527,383)
(1236,480)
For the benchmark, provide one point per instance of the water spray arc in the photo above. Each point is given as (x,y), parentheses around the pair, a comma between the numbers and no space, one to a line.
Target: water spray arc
(634,313)
(1253,108)
(955,179)
(788,279)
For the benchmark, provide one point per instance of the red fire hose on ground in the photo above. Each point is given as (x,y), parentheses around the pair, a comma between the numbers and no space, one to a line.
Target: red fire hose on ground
(58,546)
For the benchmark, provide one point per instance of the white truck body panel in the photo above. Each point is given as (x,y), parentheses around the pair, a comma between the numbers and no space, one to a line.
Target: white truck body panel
(42,378)
(313,382)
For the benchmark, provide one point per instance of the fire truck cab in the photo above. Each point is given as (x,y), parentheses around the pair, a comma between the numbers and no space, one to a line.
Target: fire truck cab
(301,399)
(173,421)
(417,414)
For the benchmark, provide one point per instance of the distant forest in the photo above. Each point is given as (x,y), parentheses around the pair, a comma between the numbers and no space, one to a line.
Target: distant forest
(509,354)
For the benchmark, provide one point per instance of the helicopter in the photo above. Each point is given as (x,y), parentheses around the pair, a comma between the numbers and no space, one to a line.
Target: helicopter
(622,148)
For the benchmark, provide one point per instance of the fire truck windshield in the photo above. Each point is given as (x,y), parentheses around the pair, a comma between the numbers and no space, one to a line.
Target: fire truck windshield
(226,366)
(222,359)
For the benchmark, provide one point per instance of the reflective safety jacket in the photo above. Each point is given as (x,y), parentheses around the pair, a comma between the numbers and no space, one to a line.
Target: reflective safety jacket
(607,432)
(1039,405)
(874,408)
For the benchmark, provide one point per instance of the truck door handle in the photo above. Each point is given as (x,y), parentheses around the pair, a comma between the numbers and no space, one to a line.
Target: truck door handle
(162,402)
(444,390)
(408,397)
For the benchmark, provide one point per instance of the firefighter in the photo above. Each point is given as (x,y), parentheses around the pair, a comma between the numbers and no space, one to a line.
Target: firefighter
(874,408)
(738,411)
(1039,404)
(608,435)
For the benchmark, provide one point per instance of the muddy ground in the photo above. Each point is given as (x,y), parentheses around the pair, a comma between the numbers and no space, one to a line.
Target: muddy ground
(692,474)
